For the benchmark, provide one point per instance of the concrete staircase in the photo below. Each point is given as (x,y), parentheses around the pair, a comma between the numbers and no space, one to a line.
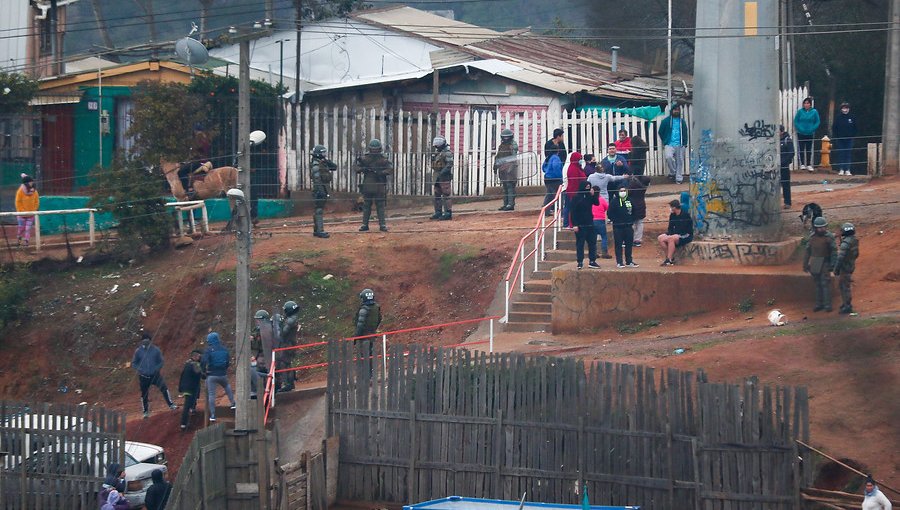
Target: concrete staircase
(529,311)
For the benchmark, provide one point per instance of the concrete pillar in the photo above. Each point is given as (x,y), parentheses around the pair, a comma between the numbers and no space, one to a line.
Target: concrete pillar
(891,128)
(735,191)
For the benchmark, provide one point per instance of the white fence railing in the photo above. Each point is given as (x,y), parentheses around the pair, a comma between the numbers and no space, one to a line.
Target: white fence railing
(473,136)
(37,222)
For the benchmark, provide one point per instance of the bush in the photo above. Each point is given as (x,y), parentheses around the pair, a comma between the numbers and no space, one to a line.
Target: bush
(14,286)
(132,195)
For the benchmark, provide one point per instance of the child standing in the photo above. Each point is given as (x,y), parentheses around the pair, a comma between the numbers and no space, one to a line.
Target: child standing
(27,200)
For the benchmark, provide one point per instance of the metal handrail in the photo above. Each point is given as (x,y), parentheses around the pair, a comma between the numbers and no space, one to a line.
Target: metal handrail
(539,251)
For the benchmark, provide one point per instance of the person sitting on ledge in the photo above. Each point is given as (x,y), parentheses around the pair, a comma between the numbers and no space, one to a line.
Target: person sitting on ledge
(679,233)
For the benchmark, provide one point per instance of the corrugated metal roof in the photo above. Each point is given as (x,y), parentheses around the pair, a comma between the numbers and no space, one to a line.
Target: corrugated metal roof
(372,81)
(447,57)
(427,25)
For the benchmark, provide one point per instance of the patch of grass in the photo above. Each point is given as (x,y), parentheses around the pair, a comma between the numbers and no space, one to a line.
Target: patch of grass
(707,344)
(15,287)
(448,261)
(630,328)
(745,305)
(836,326)
(329,298)
(223,277)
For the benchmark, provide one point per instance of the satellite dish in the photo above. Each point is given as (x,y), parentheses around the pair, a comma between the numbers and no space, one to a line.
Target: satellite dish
(191,51)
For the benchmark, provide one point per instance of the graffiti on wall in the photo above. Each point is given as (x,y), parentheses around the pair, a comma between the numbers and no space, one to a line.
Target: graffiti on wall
(735,183)
(759,129)
(755,254)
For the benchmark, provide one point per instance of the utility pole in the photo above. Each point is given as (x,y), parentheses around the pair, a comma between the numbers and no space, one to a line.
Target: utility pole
(669,59)
(242,271)
(891,125)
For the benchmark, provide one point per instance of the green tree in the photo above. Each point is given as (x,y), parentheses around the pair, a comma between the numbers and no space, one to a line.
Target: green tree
(131,193)
(164,118)
(16,90)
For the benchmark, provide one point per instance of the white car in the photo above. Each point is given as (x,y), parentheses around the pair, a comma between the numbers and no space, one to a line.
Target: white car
(140,461)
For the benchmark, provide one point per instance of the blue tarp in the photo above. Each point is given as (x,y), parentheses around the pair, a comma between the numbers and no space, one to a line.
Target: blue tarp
(460,503)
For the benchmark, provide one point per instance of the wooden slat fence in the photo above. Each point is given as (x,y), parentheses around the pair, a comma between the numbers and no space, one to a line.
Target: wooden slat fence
(55,455)
(445,422)
(473,136)
(201,481)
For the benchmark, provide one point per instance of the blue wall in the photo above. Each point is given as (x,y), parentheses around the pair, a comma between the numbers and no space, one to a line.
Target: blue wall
(216,207)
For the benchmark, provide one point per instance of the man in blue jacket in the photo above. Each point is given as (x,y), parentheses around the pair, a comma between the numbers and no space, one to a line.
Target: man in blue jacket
(148,361)
(216,360)
(614,163)
(673,134)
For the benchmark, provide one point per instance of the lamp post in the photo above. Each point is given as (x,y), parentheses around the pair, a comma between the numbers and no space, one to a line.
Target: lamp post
(281,63)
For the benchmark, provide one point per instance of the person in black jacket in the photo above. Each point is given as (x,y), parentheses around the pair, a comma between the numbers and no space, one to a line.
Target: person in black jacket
(843,132)
(637,193)
(637,160)
(786,148)
(679,233)
(189,386)
(583,223)
(158,493)
(622,219)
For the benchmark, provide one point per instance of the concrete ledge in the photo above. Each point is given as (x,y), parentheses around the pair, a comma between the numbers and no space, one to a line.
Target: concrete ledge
(587,299)
(738,253)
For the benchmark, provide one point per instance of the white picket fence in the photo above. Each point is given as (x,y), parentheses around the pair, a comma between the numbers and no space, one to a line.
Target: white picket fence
(473,136)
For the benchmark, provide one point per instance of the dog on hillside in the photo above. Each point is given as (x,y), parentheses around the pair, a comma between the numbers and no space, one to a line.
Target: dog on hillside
(810,212)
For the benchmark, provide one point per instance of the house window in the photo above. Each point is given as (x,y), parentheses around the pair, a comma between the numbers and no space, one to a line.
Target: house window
(45,33)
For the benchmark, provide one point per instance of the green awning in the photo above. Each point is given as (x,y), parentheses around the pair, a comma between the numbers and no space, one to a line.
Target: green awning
(643,112)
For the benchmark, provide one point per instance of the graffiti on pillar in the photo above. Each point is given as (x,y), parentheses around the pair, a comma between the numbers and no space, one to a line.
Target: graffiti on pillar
(759,129)
(700,179)
(743,253)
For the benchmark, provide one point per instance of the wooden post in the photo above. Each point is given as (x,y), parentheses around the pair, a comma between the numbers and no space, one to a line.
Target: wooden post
(671,467)
(435,88)
(37,232)
(695,451)
(411,484)
(91,227)
(498,450)
(242,275)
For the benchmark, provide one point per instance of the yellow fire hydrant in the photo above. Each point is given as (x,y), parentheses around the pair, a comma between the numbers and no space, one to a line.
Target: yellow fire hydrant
(825,159)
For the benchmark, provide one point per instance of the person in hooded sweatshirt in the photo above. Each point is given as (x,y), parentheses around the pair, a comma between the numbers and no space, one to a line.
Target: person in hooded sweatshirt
(148,361)
(574,177)
(583,224)
(216,360)
(158,493)
(115,501)
(637,192)
(27,200)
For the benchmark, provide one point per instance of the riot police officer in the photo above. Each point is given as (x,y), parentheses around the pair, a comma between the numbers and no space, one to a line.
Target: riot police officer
(818,261)
(442,176)
(506,165)
(845,264)
(262,340)
(287,327)
(375,169)
(321,170)
(368,318)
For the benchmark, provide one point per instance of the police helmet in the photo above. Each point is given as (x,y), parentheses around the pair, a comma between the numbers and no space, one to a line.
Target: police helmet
(319,151)
(820,222)
(290,308)
(367,295)
(261,314)
(375,146)
(848,229)
(506,135)
(438,142)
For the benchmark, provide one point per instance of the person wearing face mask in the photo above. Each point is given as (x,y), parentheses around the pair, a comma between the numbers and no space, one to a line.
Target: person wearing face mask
(590,165)
(673,134)
(843,131)
(614,163)
(27,200)
(621,216)
(583,224)
(147,362)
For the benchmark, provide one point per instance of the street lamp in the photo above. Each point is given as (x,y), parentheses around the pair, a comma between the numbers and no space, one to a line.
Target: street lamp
(281,62)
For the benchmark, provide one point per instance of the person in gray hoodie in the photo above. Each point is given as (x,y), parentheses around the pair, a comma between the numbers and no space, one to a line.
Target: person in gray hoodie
(148,361)
(216,360)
